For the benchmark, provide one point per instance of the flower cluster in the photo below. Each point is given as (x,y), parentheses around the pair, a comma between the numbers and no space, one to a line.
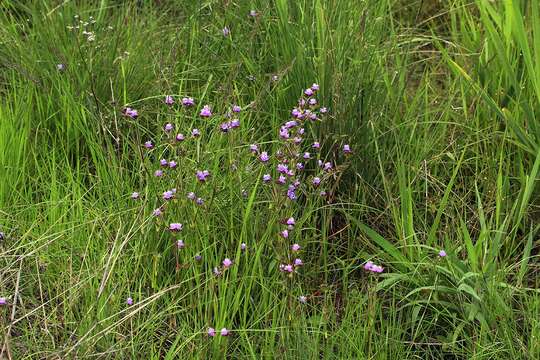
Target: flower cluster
(291,168)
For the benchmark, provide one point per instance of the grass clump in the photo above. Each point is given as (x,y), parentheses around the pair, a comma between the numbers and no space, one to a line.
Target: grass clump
(173,186)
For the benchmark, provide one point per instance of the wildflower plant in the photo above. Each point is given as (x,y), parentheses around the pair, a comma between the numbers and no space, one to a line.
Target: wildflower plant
(190,184)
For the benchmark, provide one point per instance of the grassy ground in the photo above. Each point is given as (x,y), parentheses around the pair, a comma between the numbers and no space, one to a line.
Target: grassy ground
(438,101)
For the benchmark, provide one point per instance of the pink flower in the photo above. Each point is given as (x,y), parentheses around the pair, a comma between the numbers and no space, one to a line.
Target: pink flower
(180,244)
(295,247)
(370,266)
(129,301)
(442,253)
(211,332)
(175,227)
(284,234)
(168,127)
(135,195)
(187,101)
(180,137)
(225,332)
(227,263)
(206,111)
(169,100)
(298,262)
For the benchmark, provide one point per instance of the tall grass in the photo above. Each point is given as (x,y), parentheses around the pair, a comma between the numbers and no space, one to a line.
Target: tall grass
(438,101)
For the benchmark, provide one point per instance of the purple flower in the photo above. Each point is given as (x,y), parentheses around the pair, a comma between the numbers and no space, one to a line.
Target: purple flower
(264,156)
(298,262)
(253,148)
(284,234)
(327,166)
(180,244)
(347,149)
(442,253)
(307,155)
(225,332)
(370,266)
(168,127)
(187,101)
(316,181)
(199,201)
(169,100)
(172,164)
(291,194)
(168,195)
(176,227)
(180,137)
(284,133)
(129,301)
(301,102)
(191,195)
(157,212)
(211,332)
(315,87)
(312,101)
(195,133)
(243,246)
(322,193)
(227,263)
(290,221)
(135,195)
(308,92)
(313,116)
(300,166)
(202,175)
(158,173)
(234,123)
(301,131)
(281,180)
(236,109)
(266,178)
(148,145)
(316,145)
(226,31)
(163,162)
(287,268)
(295,247)
(253,13)
(295,113)
(198,257)
(224,127)
(282,168)
(206,111)
(323,110)
(132,113)
(290,124)
(302,299)
(297,140)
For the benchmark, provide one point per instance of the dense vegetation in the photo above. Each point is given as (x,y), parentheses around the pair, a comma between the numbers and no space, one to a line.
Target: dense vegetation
(418,240)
